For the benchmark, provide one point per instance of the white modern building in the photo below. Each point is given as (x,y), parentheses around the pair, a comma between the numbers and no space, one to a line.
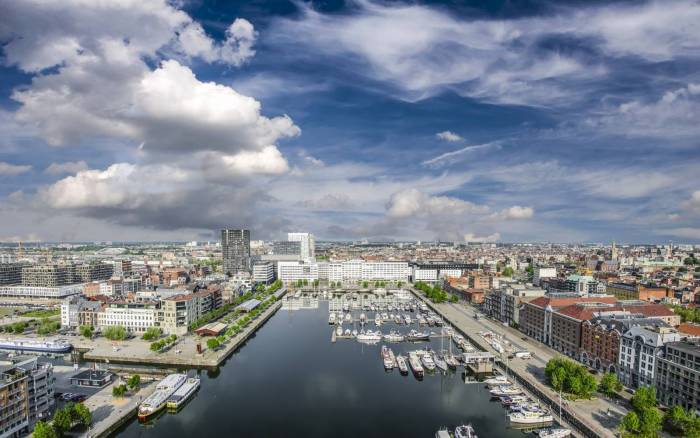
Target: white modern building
(55,292)
(348,271)
(541,272)
(640,347)
(263,272)
(135,317)
(308,244)
(289,272)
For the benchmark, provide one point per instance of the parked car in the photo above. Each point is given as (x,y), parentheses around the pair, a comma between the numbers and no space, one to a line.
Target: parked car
(78,398)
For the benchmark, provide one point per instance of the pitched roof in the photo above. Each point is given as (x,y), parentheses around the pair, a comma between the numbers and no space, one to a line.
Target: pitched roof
(558,302)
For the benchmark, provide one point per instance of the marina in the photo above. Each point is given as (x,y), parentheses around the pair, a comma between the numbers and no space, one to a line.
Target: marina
(344,381)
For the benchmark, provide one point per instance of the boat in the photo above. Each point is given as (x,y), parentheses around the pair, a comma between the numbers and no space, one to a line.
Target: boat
(378,319)
(528,417)
(385,316)
(555,433)
(505,390)
(427,360)
(414,362)
(348,317)
(525,406)
(183,393)
(339,330)
(514,399)
(369,336)
(440,363)
(157,401)
(442,433)
(421,320)
(451,361)
(388,358)
(348,332)
(58,346)
(401,362)
(415,335)
(465,431)
(407,319)
(394,336)
(363,318)
(331,318)
(497,380)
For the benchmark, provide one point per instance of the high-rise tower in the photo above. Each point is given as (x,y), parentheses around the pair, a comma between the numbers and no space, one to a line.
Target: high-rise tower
(235,248)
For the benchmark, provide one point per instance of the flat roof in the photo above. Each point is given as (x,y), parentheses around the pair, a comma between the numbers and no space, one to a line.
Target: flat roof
(249,305)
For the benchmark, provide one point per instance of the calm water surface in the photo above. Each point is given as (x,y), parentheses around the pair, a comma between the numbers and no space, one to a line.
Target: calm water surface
(289,380)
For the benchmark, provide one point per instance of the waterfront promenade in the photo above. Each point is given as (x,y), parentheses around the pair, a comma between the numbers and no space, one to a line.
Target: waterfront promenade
(599,415)
(182,354)
(109,412)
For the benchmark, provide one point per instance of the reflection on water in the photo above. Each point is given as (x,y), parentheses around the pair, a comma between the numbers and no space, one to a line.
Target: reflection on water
(290,380)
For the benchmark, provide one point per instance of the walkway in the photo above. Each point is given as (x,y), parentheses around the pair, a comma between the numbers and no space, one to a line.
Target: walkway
(108,412)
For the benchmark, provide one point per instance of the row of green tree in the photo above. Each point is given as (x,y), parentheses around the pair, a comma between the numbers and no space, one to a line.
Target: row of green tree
(152,333)
(688,314)
(567,376)
(239,325)
(72,415)
(433,293)
(162,343)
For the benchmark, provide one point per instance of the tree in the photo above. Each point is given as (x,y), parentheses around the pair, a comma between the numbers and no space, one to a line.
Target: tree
(84,415)
(649,421)
(609,385)
(630,423)
(119,391)
(134,381)
(508,271)
(44,430)
(115,333)
(62,421)
(152,333)
(674,420)
(644,397)
(86,331)
(454,298)
(212,343)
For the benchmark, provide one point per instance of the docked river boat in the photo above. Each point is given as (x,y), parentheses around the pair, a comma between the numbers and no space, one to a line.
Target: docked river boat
(183,393)
(164,390)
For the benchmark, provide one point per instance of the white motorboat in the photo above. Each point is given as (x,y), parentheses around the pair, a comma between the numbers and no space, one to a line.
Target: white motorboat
(348,317)
(401,362)
(427,361)
(502,391)
(331,318)
(414,361)
(555,433)
(354,332)
(394,336)
(528,417)
(465,431)
(347,332)
(407,319)
(369,336)
(440,363)
(497,380)
(339,330)
(388,358)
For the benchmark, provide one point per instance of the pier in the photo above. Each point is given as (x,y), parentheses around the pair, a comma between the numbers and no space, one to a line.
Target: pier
(182,354)
(109,413)
(479,362)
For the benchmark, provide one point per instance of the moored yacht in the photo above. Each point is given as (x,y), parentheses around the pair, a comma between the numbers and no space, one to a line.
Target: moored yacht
(388,358)
(465,431)
(414,362)
(505,391)
(183,393)
(440,362)
(369,336)
(529,417)
(331,318)
(401,362)
(156,401)
(427,360)
(555,433)
(497,380)
(415,335)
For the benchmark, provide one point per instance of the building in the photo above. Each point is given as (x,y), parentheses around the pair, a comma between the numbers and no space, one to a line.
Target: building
(601,335)
(77,311)
(263,272)
(48,275)
(92,378)
(41,292)
(14,397)
(134,316)
(432,272)
(11,273)
(92,272)
(289,272)
(636,291)
(504,303)
(235,248)
(677,375)
(287,248)
(536,315)
(640,346)
(178,312)
(308,244)
(40,385)
(579,284)
(541,272)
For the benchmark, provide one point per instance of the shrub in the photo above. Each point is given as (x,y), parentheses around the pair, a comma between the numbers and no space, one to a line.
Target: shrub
(115,333)
(86,330)
(119,391)
(152,333)
(134,381)
(567,376)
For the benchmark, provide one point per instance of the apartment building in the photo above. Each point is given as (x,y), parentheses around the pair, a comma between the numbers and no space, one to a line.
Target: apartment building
(640,346)
(637,291)
(542,272)
(48,275)
(264,272)
(44,292)
(134,316)
(11,273)
(308,244)
(677,375)
(178,312)
(235,248)
(40,385)
(504,303)
(14,394)
(289,272)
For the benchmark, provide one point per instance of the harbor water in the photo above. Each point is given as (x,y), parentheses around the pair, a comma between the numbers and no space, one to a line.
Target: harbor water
(289,380)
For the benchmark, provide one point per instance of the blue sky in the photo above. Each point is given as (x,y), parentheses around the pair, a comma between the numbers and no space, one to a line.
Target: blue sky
(464,121)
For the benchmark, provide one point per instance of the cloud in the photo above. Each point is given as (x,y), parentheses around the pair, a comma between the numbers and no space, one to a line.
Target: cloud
(683,232)
(338,201)
(449,136)
(673,115)
(8,169)
(692,204)
(515,212)
(421,50)
(412,202)
(235,50)
(67,167)
(472,238)
(458,155)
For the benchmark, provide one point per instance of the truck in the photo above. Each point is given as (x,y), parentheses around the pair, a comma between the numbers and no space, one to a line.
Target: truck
(523,355)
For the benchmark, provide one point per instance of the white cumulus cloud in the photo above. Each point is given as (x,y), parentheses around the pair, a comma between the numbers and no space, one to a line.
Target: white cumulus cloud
(13,169)
(67,167)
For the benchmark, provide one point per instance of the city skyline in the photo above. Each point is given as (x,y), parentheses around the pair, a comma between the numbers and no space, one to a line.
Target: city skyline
(483,122)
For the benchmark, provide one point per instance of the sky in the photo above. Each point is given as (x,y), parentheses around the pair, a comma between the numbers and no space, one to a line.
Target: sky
(464,121)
